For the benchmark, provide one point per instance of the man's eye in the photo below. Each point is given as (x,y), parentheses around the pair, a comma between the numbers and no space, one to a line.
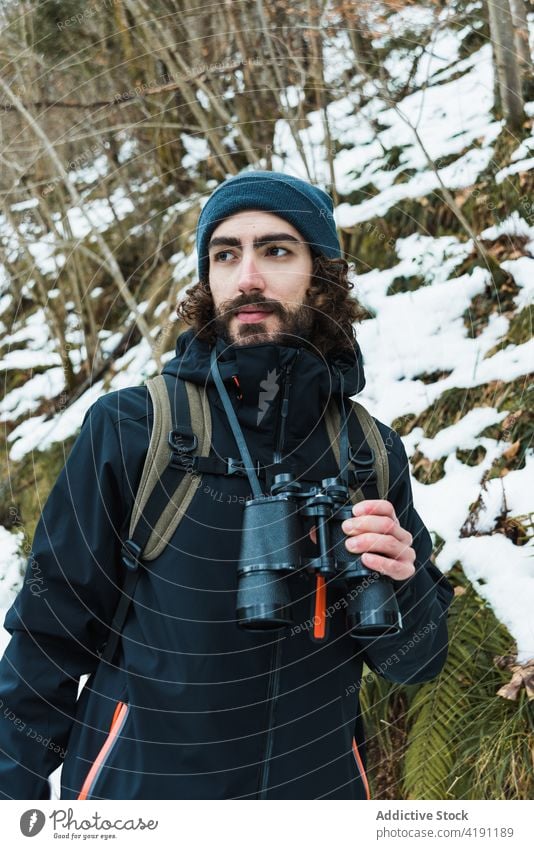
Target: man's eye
(217,256)
(278,248)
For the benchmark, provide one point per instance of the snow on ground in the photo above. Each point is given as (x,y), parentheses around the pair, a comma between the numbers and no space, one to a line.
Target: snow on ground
(503,574)
(336,57)
(512,225)
(516,168)
(34,333)
(459,174)
(90,172)
(522,270)
(39,433)
(27,397)
(509,493)
(183,266)
(410,19)
(5,299)
(463,434)
(134,366)
(38,350)
(524,148)
(424,331)
(98,213)
(26,359)
(449,118)
(45,254)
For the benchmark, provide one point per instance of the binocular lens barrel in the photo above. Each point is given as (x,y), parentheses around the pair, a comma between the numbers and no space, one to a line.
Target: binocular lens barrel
(372,605)
(372,609)
(263,601)
(269,550)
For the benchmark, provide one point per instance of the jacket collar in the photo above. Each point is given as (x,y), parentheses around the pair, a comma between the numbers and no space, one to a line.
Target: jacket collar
(266,372)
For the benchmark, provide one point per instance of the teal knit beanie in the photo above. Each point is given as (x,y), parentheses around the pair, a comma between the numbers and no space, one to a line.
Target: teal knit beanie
(308,208)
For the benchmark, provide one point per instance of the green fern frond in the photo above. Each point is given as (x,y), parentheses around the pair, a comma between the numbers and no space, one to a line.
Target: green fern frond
(446,712)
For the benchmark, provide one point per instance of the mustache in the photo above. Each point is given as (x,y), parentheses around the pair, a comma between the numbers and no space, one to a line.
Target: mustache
(229,307)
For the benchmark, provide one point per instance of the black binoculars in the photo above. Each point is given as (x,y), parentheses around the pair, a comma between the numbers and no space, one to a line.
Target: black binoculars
(273,527)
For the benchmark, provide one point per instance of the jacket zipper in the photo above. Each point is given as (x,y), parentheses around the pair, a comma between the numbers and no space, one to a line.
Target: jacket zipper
(117,724)
(283,409)
(273,686)
(272,696)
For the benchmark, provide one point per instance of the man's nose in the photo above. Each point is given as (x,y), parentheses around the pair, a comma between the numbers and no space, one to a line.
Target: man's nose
(250,277)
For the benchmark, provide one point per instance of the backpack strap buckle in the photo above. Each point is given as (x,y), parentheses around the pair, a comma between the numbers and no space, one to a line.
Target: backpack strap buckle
(131,554)
(183,442)
(364,467)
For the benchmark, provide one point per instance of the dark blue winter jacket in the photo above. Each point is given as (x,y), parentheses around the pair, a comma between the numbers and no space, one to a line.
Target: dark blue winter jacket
(194,707)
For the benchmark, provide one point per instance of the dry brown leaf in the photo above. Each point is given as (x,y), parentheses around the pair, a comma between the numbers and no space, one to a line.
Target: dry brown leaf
(523,676)
(512,450)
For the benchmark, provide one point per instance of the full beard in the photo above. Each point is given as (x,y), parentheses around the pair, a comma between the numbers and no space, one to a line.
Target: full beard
(295,325)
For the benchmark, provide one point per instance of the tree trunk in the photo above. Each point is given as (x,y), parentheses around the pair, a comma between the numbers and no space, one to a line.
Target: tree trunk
(522,46)
(506,61)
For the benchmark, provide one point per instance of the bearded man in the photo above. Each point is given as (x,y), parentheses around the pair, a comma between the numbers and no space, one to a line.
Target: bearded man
(220,689)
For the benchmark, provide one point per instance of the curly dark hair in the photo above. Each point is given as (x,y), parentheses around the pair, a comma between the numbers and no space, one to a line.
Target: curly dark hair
(335,310)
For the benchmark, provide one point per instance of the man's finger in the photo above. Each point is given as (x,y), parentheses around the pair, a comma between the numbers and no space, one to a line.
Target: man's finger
(376,524)
(381,544)
(397,570)
(374,507)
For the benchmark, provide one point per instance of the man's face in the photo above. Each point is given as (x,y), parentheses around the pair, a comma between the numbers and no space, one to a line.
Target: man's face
(259,270)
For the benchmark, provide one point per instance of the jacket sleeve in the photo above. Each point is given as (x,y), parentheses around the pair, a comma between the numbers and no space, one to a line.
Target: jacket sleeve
(419,651)
(59,619)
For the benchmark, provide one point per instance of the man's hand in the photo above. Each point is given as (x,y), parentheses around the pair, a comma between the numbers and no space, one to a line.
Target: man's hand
(376,534)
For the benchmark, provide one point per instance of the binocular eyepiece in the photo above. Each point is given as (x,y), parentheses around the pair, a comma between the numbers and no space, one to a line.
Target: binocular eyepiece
(273,527)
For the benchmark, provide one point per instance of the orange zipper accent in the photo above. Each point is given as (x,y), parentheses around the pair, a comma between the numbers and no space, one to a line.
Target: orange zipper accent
(116,724)
(118,709)
(239,393)
(359,764)
(319,620)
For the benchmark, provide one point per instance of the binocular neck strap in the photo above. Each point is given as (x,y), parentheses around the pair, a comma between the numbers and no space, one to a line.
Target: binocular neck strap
(344,433)
(235,426)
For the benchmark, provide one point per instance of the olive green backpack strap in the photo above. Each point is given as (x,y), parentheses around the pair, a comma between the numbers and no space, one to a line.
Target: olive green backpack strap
(182,425)
(373,438)
(158,456)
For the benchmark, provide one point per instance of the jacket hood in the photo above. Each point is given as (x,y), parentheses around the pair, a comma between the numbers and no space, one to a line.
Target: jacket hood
(268,381)
(250,363)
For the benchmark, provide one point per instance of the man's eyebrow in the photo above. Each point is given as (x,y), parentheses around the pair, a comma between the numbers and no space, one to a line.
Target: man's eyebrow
(232,242)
